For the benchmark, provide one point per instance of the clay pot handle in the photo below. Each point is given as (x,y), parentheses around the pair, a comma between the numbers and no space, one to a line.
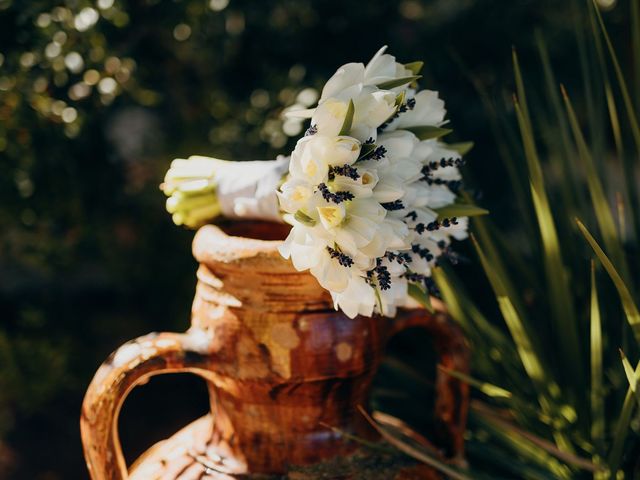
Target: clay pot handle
(128,366)
(452,395)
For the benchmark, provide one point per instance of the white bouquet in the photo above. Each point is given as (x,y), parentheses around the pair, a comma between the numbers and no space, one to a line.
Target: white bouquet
(371,191)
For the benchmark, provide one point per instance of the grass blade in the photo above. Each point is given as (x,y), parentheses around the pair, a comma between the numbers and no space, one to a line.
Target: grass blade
(522,94)
(503,140)
(611,104)
(622,83)
(633,377)
(502,359)
(604,217)
(546,387)
(528,355)
(571,187)
(555,271)
(488,389)
(630,193)
(491,248)
(505,396)
(486,451)
(597,391)
(479,408)
(629,306)
(593,102)
(526,448)
(635,45)
(622,427)
(421,454)
(460,306)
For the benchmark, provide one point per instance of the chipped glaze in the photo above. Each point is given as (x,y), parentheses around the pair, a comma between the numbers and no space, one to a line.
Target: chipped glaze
(281,366)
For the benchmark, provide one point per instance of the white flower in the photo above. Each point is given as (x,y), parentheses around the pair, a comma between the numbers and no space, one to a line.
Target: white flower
(361,226)
(302,247)
(343,150)
(294,195)
(330,273)
(331,214)
(396,293)
(348,77)
(383,68)
(361,186)
(330,116)
(309,159)
(399,143)
(428,110)
(363,193)
(366,222)
(459,231)
(358,298)
(373,107)
(439,151)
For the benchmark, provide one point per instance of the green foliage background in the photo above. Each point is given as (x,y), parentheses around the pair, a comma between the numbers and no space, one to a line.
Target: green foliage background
(88,256)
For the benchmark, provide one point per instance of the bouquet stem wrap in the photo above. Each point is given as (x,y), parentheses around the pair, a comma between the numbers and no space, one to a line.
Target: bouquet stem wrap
(201,188)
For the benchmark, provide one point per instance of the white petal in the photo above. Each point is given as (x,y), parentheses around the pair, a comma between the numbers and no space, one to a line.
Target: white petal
(346,76)
(331,275)
(429,110)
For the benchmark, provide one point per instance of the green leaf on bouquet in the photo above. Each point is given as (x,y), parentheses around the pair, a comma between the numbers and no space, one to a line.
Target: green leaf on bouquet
(304,218)
(420,296)
(400,98)
(348,119)
(398,82)
(427,132)
(460,210)
(366,149)
(378,298)
(415,67)
(462,148)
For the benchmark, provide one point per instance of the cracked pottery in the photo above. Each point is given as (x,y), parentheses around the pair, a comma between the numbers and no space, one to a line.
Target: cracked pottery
(281,365)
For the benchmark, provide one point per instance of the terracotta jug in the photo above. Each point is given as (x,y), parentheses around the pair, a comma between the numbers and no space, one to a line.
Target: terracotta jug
(282,367)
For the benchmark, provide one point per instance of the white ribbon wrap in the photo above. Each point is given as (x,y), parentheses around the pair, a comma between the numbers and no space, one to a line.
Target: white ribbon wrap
(248,189)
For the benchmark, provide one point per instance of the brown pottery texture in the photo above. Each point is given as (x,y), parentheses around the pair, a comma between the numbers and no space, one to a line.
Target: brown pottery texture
(282,368)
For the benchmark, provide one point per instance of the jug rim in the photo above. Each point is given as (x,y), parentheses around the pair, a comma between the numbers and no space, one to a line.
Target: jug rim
(242,241)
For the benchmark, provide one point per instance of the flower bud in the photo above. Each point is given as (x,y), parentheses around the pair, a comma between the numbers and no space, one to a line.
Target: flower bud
(343,150)
(375,108)
(308,161)
(329,117)
(331,215)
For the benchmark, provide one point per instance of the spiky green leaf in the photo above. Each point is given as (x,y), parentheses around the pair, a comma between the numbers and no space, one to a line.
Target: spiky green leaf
(597,391)
(629,306)
(398,82)
(414,67)
(622,426)
(462,148)
(304,219)
(348,119)
(366,149)
(427,132)
(420,296)
(460,210)
(555,270)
